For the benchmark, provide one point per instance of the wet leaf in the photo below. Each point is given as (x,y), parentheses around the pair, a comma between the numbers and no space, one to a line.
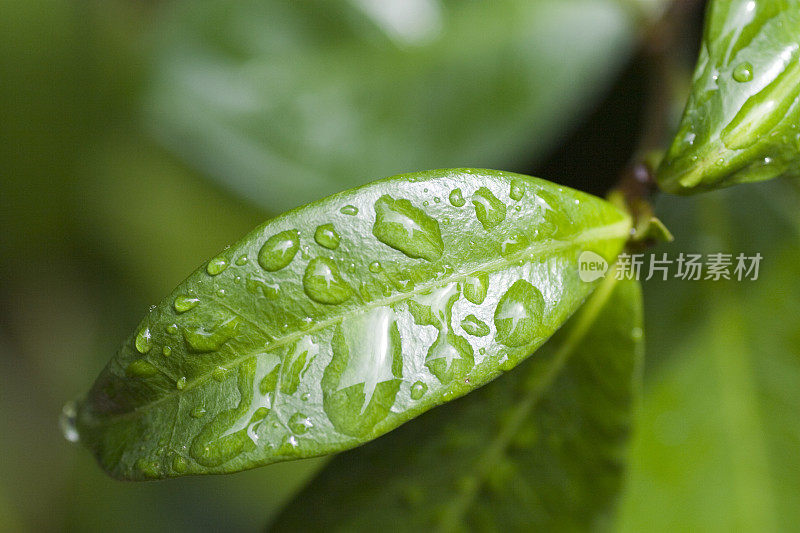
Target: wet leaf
(281,348)
(742,122)
(542,448)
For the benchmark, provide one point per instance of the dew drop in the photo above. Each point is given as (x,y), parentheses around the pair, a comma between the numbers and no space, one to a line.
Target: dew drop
(418,390)
(67,422)
(184,303)
(326,236)
(166,351)
(323,283)
(475,287)
(181,383)
(408,229)
(375,267)
(517,190)
(743,72)
(279,250)
(300,423)
(474,326)
(489,210)
(457,198)
(519,313)
(172,329)
(220,292)
(141,368)
(198,412)
(350,210)
(216,266)
(242,260)
(219,373)
(144,340)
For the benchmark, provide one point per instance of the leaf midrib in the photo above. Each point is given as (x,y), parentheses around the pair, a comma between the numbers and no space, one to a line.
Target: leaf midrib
(601,233)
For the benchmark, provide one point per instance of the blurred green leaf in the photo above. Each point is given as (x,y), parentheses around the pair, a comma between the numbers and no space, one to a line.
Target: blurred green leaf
(310,335)
(540,449)
(716,445)
(286,102)
(741,122)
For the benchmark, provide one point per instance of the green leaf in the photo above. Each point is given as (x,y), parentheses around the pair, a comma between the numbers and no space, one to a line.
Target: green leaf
(333,93)
(540,449)
(716,446)
(244,365)
(741,122)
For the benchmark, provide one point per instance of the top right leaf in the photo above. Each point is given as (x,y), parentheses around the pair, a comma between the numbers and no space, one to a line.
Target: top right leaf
(742,121)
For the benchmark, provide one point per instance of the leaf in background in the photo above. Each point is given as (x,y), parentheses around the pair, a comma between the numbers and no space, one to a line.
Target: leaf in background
(716,448)
(293,343)
(540,449)
(741,122)
(333,93)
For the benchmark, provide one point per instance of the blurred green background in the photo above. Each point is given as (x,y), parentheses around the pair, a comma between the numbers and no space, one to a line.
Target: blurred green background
(137,138)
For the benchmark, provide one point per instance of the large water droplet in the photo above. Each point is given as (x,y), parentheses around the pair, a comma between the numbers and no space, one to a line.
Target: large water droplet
(474,326)
(457,198)
(519,313)
(743,72)
(488,208)
(217,266)
(407,228)
(517,190)
(323,283)
(279,250)
(141,368)
(418,390)
(300,423)
(450,357)
(475,288)
(67,422)
(144,340)
(326,236)
(185,303)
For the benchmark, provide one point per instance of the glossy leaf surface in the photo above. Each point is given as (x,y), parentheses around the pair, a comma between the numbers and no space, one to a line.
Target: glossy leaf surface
(334,93)
(742,122)
(282,347)
(540,449)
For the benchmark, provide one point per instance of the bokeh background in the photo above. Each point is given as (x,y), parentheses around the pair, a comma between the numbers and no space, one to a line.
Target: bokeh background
(139,137)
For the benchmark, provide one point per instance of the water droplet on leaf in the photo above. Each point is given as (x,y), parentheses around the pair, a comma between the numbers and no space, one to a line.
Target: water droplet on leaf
(418,390)
(279,250)
(323,283)
(216,266)
(326,236)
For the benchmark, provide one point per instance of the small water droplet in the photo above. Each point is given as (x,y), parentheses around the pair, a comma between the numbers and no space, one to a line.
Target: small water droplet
(220,292)
(375,267)
(172,329)
(67,422)
(305,397)
(185,303)
(743,72)
(198,412)
(216,266)
(181,383)
(437,200)
(300,423)
(323,283)
(326,236)
(166,351)
(475,287)
(349,210)
(144,340)
(457,198)
(474,326)
(517,190)
(219,373)
(242,260)
(279,250)
(418,390)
